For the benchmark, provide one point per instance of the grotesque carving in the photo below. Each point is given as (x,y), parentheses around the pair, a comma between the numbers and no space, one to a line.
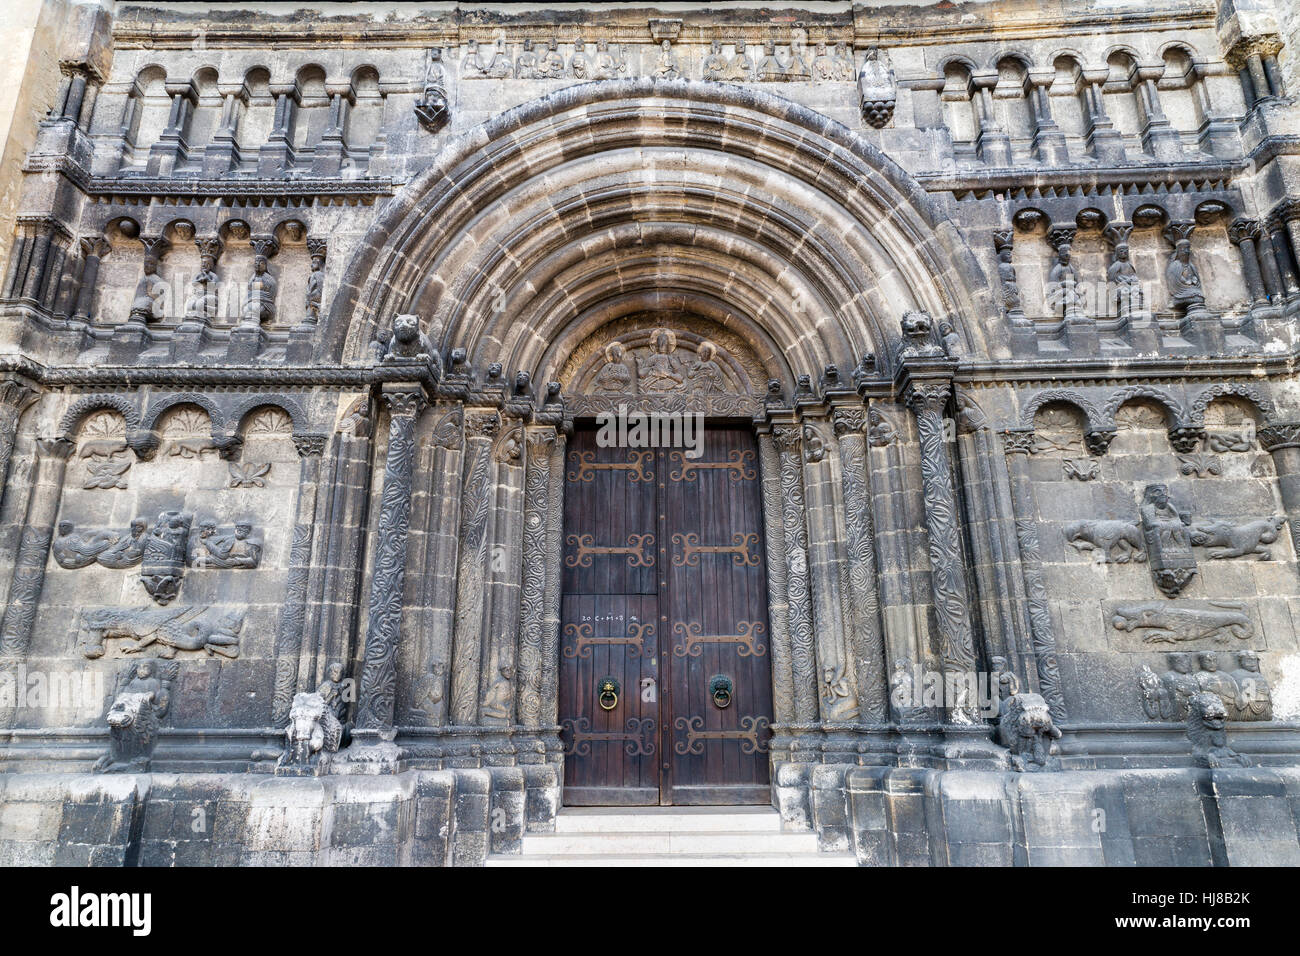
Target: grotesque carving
(312,736)
(139,705)
(165,551)
(173,629)
(876,88)
(407,344)
(1206,717)
(431,109)
(918,335)
(1174,623)
(1113,541)
(1226,539)
(1025,728)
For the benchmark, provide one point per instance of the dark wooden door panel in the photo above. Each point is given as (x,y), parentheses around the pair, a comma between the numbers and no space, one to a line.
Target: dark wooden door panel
(664,583)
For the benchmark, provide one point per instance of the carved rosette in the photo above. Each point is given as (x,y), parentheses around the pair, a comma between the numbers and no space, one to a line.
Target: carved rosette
(947,572)
(788,439)
(379,672)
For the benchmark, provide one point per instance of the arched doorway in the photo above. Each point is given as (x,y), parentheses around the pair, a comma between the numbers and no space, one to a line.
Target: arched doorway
(665,681)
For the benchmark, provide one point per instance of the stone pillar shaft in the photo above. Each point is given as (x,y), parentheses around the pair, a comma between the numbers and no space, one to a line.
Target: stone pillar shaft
(1018,445)
(481,427)
(803,656)
(539,442)
(383,630)
(34,546)
(1282,441)
(293,615)
(550,683)
(777,581)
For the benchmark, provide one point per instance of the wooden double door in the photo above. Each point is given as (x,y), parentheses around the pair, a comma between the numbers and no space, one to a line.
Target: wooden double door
(665,667)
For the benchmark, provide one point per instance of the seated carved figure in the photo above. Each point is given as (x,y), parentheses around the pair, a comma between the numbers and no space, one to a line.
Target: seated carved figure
(134,717)
(406,344)
(313,734)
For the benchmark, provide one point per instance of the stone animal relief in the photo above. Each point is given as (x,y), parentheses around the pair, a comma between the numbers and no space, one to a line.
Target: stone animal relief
(1026,729)
(312,737)
(203,630)
(1206,718)
(1244,692)
(140,702)
(1176,623)
(162,552)
(1165,536)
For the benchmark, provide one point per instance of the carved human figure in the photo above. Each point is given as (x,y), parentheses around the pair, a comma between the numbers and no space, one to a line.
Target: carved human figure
(579,65)
(315,288)
(1063,281)
(740,66)
(705,373)
(1125,285)
(228,550)
(333,690)
(526,64)
(553,62)
(843,62)
(1215,681)
(128,549)
(660,370)
(797,68)
(1254,699)
(950,339)
(823,64)
(1172,528)
(473,64)
(715,64)
(497,701)
(1011,300)
(201,306)
(500,67)
(147,306)
(1180,684)
(72,549)
(666,63)
(1185,291)
(614,376)
(606,66)
(770,68)
(902,690)
(259,306)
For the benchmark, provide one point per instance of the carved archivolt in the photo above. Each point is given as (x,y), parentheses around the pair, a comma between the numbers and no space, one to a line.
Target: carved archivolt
(693,366)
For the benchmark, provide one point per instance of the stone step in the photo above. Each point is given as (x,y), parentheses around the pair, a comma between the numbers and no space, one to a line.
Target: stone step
(668,819)
(679,859)
(642,842)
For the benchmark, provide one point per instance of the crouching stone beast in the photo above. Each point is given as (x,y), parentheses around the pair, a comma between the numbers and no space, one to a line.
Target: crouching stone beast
(1026,729)
(312,737)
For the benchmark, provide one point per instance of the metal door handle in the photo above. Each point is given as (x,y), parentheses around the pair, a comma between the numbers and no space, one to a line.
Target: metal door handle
(721,689)
(607,693)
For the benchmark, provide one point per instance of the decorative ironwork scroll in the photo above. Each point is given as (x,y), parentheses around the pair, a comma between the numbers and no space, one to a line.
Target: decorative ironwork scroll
(739,549)
(587,466)
(639,737)
(749,735)
(693,640)
(584,640)
(639,550)
(739,466)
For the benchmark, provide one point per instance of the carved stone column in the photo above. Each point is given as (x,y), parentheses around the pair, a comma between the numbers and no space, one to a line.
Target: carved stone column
(868,643)
(1282,441)
(540,442)
(952,610)
(497,681)
(777,580)
(293,615)
(14,397)
(93,250)
(383,630)
(1019,445)
(481,426)
(550,685)
(803,664)
(1244,234)
(836,673)
(34,546)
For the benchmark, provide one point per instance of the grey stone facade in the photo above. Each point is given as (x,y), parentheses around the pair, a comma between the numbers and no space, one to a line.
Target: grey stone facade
(1007,290)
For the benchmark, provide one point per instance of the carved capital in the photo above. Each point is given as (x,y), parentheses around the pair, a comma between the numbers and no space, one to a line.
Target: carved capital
(317,246)
(540,442)
(1116,233)
(404,402)
(96,246)
(155,247)
(848,420)
(1288,211)
(928,398)
(14,396)
(1179,230)
(1278,435)
(1059,236)
(1019,441)
(309,445)
(1186,438)
(787,438)
(482,423)
(1099,439)
(1242,230)
(58,447)
(266,246)
(1003,239)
